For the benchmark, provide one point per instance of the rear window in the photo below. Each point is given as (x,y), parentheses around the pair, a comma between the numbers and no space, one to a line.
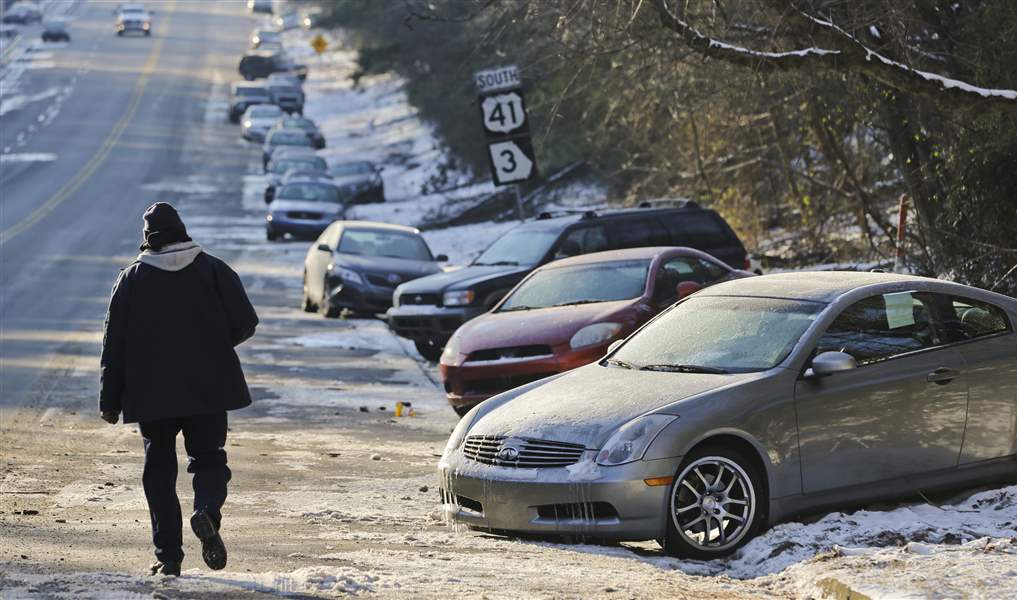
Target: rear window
(966,319)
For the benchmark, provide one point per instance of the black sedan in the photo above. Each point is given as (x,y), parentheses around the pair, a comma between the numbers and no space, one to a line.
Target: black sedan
(361,179)
(355,265)
(55,31)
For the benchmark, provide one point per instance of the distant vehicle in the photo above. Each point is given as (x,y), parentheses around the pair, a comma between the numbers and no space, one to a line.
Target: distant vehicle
(7,36)
(257,120)
(283,137)
(290,78)
(23,13)
(290,20)
(566,313)
(362,179)
(259,6)
(262,36)
(292,169)
(746,404)
(259,64)
(429,310)
(133,17)
(355,265)
(287,96)
(303,209)
(55,31)
(309,127)
(243,95)
(311,18)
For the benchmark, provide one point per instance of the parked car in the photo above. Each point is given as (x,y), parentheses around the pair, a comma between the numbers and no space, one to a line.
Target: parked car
(307,125)
(261,35)
(289,20)
(290,78)
(361,178)
(566,313)
(355,265)
(23,13)
(133,17)
(303,209)
(278,169)
(428,310)
(243,94)
(311,18)
(745,404)
(55,31)
(287,96)
(259,6)
(283,137)
(257,120)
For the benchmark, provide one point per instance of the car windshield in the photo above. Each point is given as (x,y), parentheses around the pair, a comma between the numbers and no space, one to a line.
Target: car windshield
(357,168)
(282,166)
(518,247)
(309,192)
(289,138)
(393,244)
(264,112)
(251,91)
(296,124)
(719,334)
(580,284)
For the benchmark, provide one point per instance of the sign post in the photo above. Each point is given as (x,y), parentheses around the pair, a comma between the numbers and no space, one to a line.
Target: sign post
(503,115)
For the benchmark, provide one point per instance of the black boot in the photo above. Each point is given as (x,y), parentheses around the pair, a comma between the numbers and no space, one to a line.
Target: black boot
(166,568)
(212,548)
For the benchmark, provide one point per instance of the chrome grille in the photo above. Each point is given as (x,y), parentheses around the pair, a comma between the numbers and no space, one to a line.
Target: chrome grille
(528,453)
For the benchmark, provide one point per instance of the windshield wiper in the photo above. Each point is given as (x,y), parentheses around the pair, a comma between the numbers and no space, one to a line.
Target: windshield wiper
(620,363)
(685,369)
(574,302)
(498,263)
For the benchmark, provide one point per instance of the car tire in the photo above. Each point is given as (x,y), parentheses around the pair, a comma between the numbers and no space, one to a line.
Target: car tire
(305,300)
(325,307)
(735,489)
(429,349)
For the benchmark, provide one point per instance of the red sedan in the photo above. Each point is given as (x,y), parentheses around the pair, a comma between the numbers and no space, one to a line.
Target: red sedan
(565,314)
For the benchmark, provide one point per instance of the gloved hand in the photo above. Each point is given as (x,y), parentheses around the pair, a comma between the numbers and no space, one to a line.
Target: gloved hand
(110,417)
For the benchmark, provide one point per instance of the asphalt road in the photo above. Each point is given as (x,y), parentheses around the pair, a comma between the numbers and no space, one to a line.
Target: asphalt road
(110,117)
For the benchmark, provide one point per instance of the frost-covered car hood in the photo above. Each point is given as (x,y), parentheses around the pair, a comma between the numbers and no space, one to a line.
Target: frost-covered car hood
(586,405)
(550,326)
(460,278)
(302,205)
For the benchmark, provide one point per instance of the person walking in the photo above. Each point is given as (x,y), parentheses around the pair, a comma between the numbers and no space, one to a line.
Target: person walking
(168,363)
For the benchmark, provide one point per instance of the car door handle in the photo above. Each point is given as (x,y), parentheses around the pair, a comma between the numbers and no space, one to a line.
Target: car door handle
(942,376)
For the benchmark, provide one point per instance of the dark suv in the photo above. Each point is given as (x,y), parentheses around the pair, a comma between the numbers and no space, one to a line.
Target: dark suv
(259,64)
(430,309)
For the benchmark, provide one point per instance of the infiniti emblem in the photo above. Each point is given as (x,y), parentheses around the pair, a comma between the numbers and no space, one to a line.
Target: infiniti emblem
(508,454)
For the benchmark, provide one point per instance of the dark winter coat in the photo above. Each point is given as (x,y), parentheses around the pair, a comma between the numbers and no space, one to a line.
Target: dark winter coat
(174,319)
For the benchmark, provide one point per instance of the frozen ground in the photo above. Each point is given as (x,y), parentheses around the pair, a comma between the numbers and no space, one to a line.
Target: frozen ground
(333,496)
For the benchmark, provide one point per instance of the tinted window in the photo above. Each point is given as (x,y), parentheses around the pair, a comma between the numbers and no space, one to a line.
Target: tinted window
(519,247)
(309,192)
(636,233)
(392,244)
(673,272)
(880,327)
(261,111)
(580,284)
(733,334)
(698,229)
(582,241)
(965,319)
(712,270)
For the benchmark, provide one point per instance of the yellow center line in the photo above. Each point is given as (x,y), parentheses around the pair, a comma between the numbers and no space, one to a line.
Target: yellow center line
(96,161)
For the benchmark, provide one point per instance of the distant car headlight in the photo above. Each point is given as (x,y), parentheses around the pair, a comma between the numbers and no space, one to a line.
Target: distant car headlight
(630,442)
(146,25)
(591,335)
(348,275)
(457,298)
(247,123)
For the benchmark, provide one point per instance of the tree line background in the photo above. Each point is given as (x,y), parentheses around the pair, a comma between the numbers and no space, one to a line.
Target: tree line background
(800,121)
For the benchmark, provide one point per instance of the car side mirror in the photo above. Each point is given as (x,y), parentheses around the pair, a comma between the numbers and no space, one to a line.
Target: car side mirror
(828,363)
(687,288)
(614,346)
(325,248)
(441,258)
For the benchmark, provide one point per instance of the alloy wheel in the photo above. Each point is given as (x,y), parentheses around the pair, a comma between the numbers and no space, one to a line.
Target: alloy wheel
(713,504)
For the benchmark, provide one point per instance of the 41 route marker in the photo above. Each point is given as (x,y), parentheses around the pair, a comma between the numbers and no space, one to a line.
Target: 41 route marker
(503,115)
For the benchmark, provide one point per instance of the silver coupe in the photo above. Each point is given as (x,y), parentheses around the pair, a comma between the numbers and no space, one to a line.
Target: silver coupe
(745,404)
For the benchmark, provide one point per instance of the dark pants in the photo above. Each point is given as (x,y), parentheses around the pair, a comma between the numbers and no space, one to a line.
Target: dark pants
(204,440)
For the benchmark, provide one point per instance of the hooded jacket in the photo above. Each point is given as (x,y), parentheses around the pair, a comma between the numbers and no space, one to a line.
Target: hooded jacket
(175,316)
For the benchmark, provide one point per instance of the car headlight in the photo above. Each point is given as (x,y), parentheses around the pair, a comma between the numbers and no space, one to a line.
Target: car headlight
(450,354)
(591,335)
(247,123)
(630,442)
(457,298)
(459,433)
(347,275)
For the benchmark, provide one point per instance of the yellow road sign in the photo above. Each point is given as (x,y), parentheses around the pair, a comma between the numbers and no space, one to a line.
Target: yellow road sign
(319,44)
